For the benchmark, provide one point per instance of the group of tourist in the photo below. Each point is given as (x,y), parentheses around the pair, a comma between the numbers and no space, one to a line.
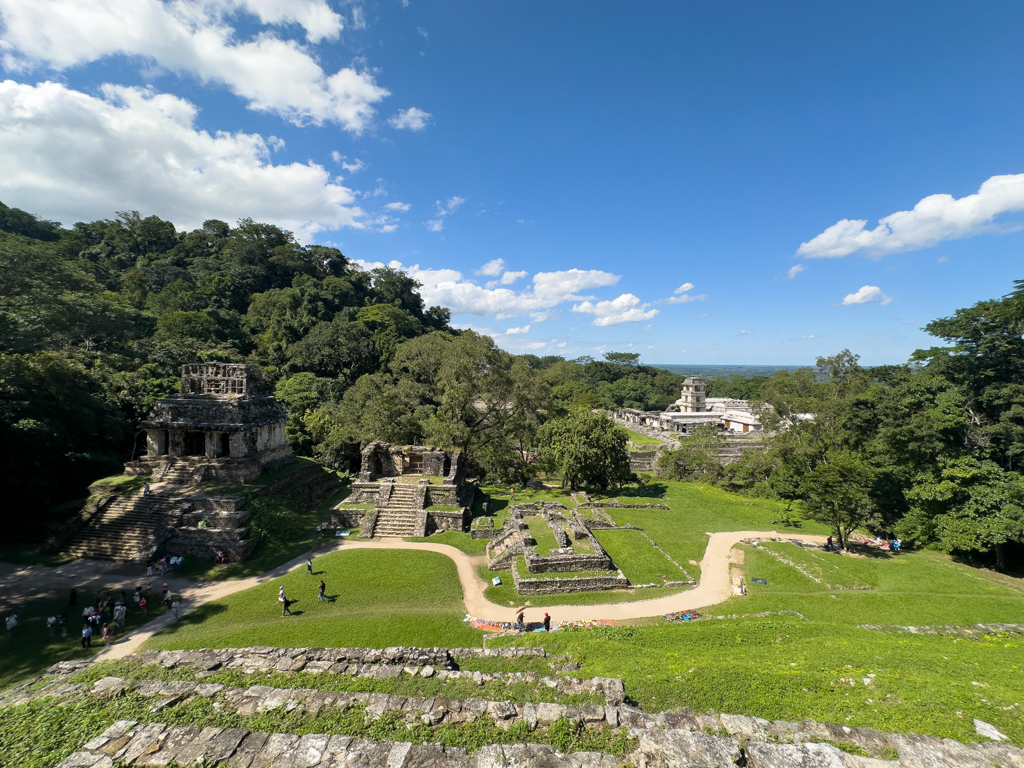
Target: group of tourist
(164,565)
(886,545)
(521,625)
(321,592)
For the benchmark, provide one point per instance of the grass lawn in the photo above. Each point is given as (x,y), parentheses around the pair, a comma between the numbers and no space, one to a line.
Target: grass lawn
(637,439)
(462,541)
(378,598)
(637,559)
(696,510)
(541,532)
(826,566)
(784,667)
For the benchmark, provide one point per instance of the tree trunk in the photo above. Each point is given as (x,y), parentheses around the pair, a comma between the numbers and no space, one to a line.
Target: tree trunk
(1000,558)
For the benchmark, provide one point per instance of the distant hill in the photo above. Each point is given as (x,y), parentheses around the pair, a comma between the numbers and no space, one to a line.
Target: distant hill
(724,371)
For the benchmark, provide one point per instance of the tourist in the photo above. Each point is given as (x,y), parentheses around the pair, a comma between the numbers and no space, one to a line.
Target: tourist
(896,544)
(547,623)
(149,570)
(107,633)
(73,597)
(309,566)
(520,623)
(319,531)
(143,605)
(512,494)
(828,544)
(165,594)
(62,619)
(51,625)
(137,596)
(176,606)
(145,489)
(119,616)
(86,636)
(12,622)
(285,606)
(321,591)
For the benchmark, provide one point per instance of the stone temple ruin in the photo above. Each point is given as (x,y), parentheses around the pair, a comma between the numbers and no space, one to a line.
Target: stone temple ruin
(407,490)
(577,562)
(219,429)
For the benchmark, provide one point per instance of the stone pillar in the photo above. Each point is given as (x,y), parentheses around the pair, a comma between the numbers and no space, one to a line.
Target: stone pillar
(212,444)
(238,445)
(156,442)
(176,443)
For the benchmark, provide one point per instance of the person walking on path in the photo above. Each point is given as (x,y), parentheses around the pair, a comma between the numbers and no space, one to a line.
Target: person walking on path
(175,606)
(321,591)
(86,636)
(547,623)
(309,566)
(520,624)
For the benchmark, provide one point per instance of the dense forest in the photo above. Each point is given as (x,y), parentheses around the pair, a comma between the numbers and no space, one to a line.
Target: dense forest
(96,319)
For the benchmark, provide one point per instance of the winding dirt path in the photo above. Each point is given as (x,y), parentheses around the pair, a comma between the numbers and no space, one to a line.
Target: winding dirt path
(714,587)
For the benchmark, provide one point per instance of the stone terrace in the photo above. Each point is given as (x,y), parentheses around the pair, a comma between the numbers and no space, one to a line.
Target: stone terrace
(677,737)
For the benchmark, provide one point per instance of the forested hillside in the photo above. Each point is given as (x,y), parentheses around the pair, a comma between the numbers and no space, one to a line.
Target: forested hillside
(95,321)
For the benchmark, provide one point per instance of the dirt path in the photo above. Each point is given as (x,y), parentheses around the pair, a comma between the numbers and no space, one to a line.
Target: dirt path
(714,587)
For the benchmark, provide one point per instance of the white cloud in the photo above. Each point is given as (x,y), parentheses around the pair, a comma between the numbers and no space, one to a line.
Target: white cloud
(423,32)
(413,119)
(548,314)
(934,219)
(746,333)
(403,207)
(625,309)
(358,17)
(865,295)
(435,225)
(492,268)
(354,167)
(192,37)
(684,288)
(447,288)
(451,206)
(510,277)
(73,157)
(534,344)
(514,331)
(686,298)
(795,270)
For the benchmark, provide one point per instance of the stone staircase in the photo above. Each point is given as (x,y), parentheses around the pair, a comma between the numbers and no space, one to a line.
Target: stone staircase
(180,473)
(129,528)
(403,516)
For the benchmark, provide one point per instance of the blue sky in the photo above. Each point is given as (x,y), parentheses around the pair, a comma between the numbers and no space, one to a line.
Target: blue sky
(700,183)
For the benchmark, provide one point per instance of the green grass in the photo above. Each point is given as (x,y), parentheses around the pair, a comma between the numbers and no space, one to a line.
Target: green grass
(121,483)
(541,532)
(378,598)
(782,668)
(443,508)
(461,541)
(639,562)
(637,439)
(695,510)
(827,566)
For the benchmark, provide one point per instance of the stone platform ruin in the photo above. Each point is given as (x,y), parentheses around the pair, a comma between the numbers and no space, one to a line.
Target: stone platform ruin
(219,429)
(409,490)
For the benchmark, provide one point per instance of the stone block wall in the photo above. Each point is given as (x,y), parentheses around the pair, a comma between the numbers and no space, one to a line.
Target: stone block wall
(447,521)
(527,586)
(599,561)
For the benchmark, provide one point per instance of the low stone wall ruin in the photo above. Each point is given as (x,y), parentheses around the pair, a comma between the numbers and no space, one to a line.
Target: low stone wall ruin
(527,586)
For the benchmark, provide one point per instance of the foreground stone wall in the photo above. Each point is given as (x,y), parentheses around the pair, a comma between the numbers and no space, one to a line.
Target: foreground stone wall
(526,586)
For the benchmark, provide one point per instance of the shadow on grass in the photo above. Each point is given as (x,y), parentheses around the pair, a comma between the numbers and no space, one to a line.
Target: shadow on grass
(872,552)
(647,491)
(193,617)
